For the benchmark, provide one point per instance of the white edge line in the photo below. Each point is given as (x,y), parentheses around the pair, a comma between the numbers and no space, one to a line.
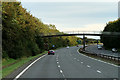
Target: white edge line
(28,67)
(98,60)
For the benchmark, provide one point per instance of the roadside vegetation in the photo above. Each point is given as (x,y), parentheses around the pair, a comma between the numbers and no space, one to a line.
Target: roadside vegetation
(21,36)
(9,65)
(112,42)
(22,33)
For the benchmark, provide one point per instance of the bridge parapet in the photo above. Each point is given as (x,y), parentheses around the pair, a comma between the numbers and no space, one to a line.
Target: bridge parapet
(75,33)
(83,32)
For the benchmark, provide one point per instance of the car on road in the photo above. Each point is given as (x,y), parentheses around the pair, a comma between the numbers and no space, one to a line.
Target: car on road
(99,47)
(51,52)
(114,50)
(67,47)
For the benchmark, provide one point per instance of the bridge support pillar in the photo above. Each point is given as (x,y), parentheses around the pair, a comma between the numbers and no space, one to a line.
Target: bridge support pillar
(83,42)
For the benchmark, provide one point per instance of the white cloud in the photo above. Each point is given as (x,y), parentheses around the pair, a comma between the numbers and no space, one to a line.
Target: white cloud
(94,27)
(88,27)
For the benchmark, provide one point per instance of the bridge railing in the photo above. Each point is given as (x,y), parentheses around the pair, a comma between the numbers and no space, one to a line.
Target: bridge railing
(82,32)
(106,56)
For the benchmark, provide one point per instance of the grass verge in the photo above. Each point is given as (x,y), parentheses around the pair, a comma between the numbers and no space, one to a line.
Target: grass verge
(6,71)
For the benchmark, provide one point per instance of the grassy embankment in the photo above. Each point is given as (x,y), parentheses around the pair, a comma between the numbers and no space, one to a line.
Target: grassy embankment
(9,65)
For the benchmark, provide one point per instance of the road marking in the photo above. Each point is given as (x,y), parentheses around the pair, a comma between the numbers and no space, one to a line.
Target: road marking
(98,71)
(28,67)
(77,60)
(81,62)
(59,66)
(74,58)
(57,57)
(88,66)
(57,62)
(61,71)
(97,59)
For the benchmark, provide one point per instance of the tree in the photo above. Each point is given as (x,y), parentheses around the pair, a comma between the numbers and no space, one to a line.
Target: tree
(111,41)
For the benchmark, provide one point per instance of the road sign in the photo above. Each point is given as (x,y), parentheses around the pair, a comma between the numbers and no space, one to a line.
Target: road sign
(53,45)
(79,41)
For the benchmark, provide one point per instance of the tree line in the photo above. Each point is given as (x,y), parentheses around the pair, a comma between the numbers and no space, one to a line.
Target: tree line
(111,41)
(21,33)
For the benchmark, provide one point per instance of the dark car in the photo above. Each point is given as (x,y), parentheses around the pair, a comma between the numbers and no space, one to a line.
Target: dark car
(51,52)
(99,47)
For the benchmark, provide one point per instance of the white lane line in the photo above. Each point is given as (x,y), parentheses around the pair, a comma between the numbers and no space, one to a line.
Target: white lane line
(57,57)
(97,59)
(88,66)
(74,58)
(57,62)
(99,71)
(59,66)
(61,71)
(78,60)
(81,62)
(28,67)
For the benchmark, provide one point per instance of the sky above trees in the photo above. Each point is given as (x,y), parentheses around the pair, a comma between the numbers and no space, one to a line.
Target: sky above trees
(74,16)
(67,16)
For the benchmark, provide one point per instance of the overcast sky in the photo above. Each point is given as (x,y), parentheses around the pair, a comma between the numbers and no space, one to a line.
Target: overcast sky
(74,15)
(69,0)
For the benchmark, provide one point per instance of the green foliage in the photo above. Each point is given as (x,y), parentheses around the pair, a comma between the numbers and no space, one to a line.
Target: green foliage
(21,33)
(111,42)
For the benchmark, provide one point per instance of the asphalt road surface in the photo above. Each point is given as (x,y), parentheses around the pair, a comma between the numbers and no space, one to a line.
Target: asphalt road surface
(68,63)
